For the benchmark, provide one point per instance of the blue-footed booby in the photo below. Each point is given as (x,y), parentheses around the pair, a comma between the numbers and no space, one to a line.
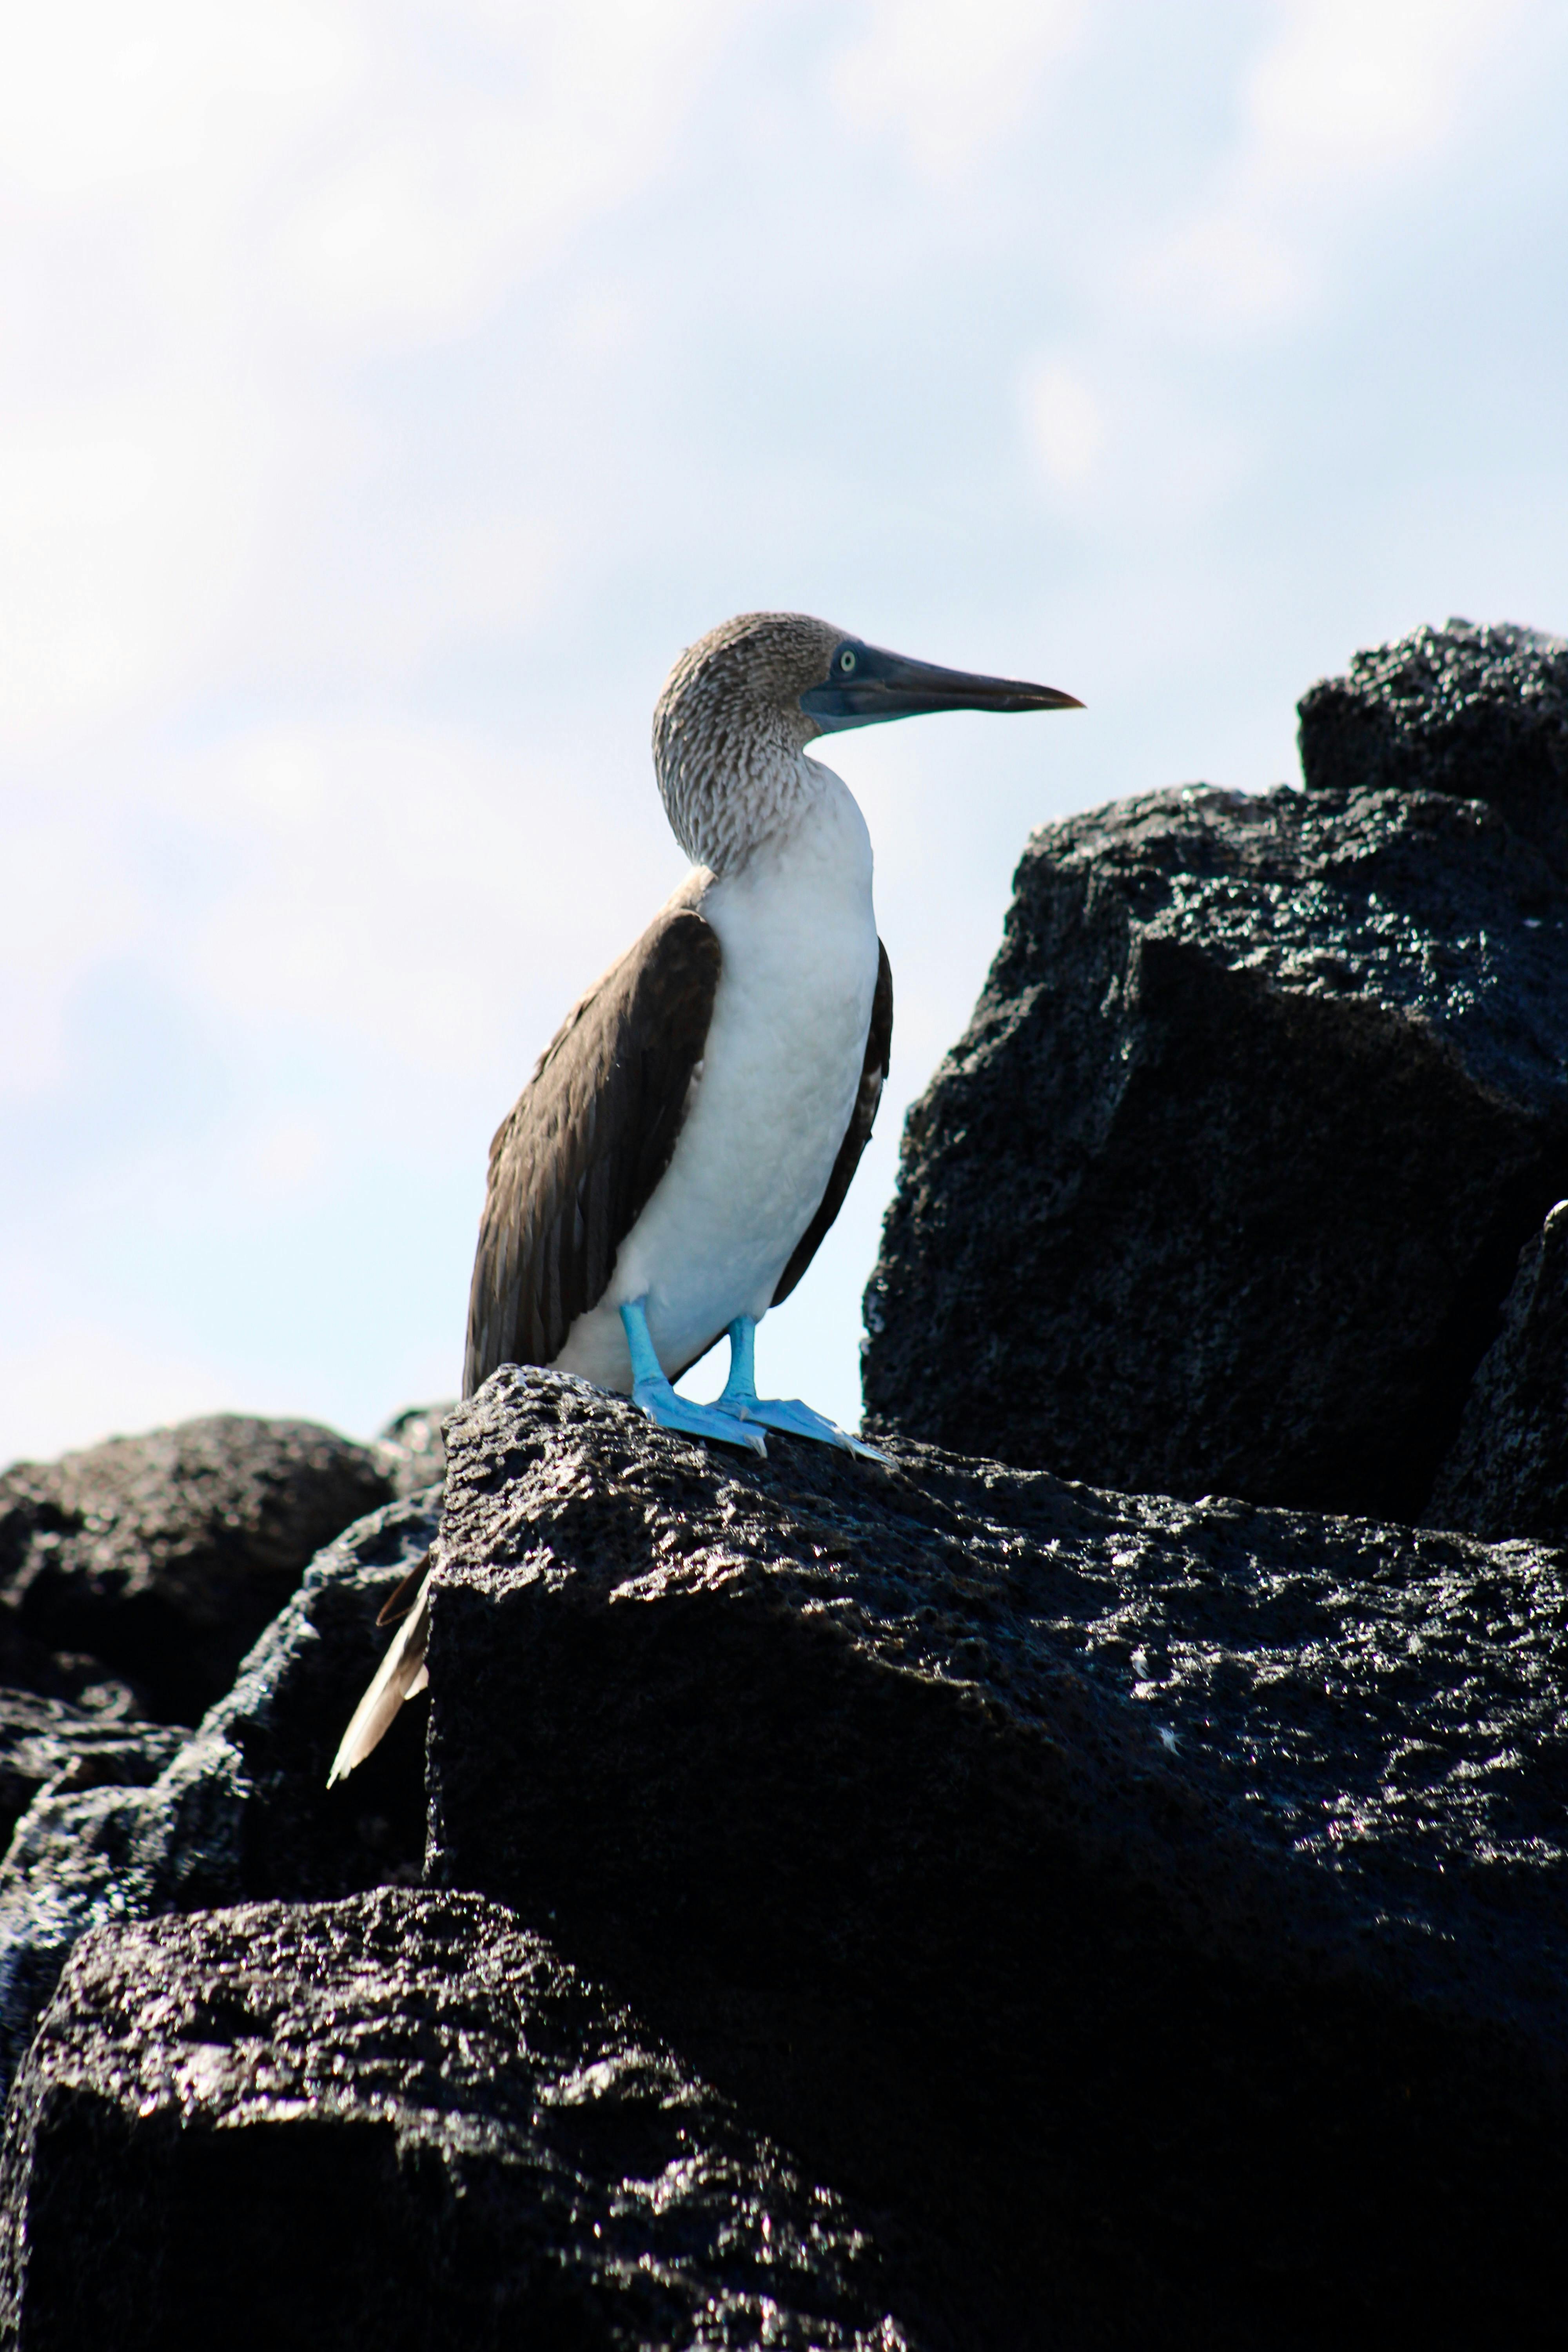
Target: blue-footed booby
(689,1133)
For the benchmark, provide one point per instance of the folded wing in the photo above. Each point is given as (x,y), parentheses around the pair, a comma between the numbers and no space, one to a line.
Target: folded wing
(575,1160)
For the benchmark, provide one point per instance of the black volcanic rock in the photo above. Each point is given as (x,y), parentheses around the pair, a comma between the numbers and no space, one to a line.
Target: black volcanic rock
(46,1743)
(166,1555)
(1223,1187)
(398,2121)
(410,1449)
(1507,1474)
(75,1675)
(1481,713)
(1161,1907)
(240,1809)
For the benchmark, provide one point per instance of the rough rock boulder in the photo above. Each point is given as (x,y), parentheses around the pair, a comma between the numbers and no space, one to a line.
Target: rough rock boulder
(46,1743)
(1224,1188)
(1507,1472)
(397,2121)
(1481,713)
(143,1821)
(410,1449)
(1158,1906)
(166,1555)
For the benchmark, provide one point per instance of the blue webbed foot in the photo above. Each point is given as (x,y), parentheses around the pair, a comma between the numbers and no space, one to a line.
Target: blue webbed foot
(661,1404)
(788,1413)
(739,1397)
(652,1393)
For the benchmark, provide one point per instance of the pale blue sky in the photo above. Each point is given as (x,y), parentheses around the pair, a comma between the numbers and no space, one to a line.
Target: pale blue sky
(387,395)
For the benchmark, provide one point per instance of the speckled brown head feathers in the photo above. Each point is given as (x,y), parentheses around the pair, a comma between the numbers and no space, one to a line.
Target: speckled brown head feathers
(729,730)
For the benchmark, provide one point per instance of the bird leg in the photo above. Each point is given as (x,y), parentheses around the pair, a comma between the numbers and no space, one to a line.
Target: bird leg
(651,1390)
(739,1397)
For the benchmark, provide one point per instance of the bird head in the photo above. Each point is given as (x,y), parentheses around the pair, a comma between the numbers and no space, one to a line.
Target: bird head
(741,704)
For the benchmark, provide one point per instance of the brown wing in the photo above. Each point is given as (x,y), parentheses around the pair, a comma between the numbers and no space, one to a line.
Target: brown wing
(575,1159)
(857,1134)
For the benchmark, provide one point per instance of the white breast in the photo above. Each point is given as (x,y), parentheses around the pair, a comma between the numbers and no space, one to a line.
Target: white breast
(778,1081)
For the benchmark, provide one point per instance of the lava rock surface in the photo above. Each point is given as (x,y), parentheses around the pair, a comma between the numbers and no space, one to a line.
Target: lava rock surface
(411,1451)
(1479,712)
(239,1808)
(166,1555)
(1163,1900)
(46,1743)
(1507,1472)
(1224,1188)
(399,2121)
(75,1675)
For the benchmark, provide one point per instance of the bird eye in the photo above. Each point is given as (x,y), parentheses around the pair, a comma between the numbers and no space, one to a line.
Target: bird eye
(847,661)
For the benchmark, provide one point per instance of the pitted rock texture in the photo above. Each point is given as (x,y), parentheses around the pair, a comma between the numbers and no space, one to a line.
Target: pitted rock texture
(1508,1472)
(1223,1187)
(239,1809)
(1160,1906)
(399,2121)
(74,1676)
(1479,712)
(410,1450)
(166,1555)
(46,1743)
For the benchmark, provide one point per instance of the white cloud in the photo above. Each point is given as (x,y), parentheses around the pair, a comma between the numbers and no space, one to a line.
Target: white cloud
(412,895)
(470,578)
(952,79)
(1351,96)
(95,95)
(1137,457)
(407,888)
(1366,87)
(125,527)
(78,1383)
(71,905)
(208,214)
(1064,422)
(1232,264)
(435,208)
(138,437)
(284,1157)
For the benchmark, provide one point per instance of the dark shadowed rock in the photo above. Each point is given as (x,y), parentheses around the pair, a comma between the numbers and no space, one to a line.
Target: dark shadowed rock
(67,1723)
(1479,712)
(1507,1474)
(46,1743)
(75,1675)
(410,1449)
(240,1810)
(1160,1906)
(1224,1185)
(400,2121)
(166,1555)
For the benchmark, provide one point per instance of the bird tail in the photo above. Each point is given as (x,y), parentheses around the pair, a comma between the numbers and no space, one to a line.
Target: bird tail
(399,1674)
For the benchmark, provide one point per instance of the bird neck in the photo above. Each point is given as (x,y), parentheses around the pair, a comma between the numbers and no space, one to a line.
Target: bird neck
(731,792)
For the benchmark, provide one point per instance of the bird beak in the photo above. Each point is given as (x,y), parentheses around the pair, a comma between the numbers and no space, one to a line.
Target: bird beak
(881,685)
